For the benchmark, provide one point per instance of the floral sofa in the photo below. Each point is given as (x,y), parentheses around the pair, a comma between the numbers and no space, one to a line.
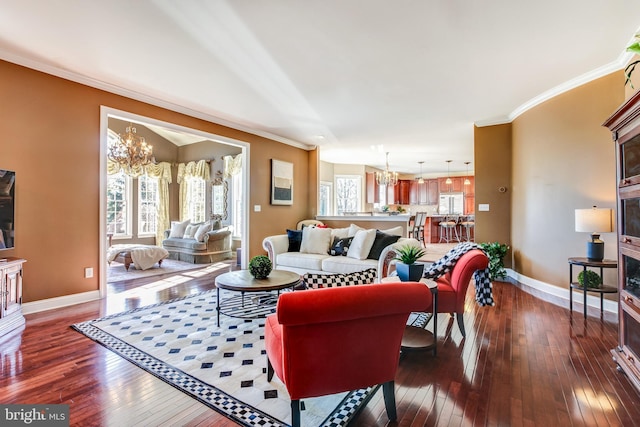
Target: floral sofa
(341,250)
(200,243)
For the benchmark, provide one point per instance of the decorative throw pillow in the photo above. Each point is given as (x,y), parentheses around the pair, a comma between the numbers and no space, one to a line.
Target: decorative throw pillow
(361,244)
(340,233)
(353,229)
(340,246)
(381,241)
(314,280)
(295,239)
(395,231)
(178,228)
(202,230)
(216,225)
(315,240)
(190,231)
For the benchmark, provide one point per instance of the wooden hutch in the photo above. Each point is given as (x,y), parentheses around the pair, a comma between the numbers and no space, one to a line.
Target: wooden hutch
(625,126)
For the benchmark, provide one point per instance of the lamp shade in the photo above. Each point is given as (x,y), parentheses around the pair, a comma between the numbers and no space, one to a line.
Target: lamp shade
(594,220)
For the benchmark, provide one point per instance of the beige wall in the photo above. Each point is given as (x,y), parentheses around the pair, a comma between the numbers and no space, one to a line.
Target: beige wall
(50,131)
(563,159)
(492,155)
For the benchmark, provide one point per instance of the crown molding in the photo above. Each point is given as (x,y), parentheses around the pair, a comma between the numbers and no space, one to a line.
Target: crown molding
(138,96)
(616,65)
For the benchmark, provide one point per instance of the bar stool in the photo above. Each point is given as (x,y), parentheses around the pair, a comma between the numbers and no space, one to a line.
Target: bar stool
(466,226)
(449,229)
(417,232)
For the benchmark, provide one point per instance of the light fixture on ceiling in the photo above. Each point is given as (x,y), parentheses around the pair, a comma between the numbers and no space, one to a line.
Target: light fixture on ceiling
(131,151)
(421,179)
(466,179)
(448,181)
(387,177)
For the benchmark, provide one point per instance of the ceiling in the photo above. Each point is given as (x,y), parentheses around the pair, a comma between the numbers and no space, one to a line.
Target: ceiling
(356,77)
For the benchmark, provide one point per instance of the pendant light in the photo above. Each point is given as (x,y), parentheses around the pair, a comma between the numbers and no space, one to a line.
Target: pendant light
(421,179)
(466,179)
(448,181)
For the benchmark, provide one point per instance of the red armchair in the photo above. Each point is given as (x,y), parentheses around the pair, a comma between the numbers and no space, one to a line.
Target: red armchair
(452,287)
(331,340)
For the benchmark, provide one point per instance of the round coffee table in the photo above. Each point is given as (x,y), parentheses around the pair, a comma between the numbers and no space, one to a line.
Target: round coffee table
(262,301)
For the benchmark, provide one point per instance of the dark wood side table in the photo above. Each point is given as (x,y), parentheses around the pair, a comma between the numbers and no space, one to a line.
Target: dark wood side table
(586,263)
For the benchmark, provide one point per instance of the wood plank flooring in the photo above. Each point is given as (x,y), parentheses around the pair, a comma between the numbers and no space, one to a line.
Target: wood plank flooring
(524,362)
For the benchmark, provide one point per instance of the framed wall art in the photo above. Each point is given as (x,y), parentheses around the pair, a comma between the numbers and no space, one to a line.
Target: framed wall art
(281,182)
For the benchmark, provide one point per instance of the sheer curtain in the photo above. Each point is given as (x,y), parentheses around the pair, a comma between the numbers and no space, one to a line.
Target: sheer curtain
(199,169)
(232,165)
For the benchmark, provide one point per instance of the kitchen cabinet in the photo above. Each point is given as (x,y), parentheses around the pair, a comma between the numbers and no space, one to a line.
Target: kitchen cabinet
(433,193)
(11,316)
(399,193)
(456,185)
(625,126)
(373,190)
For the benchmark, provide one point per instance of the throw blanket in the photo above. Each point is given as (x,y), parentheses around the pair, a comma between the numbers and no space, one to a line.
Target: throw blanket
(143,256)
(484,295)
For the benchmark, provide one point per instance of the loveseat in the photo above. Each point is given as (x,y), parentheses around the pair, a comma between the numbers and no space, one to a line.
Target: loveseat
(340,250)
(200,243)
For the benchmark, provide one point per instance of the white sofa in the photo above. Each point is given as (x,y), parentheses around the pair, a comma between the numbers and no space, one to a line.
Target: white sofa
(301,262)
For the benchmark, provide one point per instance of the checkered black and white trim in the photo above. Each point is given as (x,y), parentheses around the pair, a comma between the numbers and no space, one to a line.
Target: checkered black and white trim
(318,280)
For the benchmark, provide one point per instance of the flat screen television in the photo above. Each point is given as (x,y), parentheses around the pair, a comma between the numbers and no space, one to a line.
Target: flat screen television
(7,208)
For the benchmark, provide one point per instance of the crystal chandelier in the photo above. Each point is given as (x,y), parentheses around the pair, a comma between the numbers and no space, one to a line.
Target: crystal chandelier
(131,151)
(387,177)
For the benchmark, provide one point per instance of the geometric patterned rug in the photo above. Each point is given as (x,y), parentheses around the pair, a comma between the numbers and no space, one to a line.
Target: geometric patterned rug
(223,367)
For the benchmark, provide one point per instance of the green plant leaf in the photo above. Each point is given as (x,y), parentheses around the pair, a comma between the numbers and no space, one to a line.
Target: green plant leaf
(635,48)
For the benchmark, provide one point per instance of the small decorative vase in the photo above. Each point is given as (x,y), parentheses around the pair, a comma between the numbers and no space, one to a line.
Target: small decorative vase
(409,272)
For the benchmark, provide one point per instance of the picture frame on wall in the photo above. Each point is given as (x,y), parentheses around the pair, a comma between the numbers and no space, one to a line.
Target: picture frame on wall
(281,182)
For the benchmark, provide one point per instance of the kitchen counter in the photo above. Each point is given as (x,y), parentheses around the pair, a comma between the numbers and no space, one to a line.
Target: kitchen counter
(378,221)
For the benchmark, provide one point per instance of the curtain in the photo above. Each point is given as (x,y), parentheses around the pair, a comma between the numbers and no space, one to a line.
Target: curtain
(162,172)
(232,165)
(199,169)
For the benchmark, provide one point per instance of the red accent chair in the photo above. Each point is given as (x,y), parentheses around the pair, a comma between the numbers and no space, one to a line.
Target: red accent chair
(452,287)
(331,340)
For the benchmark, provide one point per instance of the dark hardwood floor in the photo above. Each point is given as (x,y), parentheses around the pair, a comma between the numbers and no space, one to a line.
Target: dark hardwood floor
(524,362)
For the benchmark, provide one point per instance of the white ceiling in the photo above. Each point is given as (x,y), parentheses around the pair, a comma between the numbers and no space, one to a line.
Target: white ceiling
(356,77)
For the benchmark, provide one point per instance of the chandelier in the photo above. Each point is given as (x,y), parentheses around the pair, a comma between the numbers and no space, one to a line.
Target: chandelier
(131,151)
(387,177)
(421,179)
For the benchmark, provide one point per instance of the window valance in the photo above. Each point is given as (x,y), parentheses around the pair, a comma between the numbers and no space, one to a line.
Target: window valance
(160,170)
(199,169)
(232,165)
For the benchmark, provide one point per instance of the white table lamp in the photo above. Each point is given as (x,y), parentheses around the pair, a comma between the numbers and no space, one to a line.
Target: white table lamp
(594,221)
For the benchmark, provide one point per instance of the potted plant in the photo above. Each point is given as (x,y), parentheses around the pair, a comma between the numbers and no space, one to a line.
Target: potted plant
(260,266)
(496,252)
(635,48)
(407,268)
(593,279)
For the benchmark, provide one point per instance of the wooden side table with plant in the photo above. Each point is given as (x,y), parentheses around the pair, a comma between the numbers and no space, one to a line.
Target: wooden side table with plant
(589,280)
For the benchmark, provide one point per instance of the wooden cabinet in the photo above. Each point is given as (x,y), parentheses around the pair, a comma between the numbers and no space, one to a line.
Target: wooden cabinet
(11,295)
(456,186)
(433,193)
(625,125)
(373,190)
(402,192)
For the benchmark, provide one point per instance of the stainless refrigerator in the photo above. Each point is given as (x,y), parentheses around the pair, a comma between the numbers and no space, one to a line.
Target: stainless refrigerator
(451,203)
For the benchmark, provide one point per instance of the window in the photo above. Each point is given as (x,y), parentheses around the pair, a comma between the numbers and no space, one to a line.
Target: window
(325,207)
(118,206)
(147,205)
(348,193)
(196,199)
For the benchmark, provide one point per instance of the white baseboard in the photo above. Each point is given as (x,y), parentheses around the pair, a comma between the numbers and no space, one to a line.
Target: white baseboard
(593,300)
(58,302)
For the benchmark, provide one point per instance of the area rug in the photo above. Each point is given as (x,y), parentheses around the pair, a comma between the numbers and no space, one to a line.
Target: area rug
(116,272)
(223,367)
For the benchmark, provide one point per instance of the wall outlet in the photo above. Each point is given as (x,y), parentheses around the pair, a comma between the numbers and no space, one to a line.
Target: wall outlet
(257,208)
(88,273)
